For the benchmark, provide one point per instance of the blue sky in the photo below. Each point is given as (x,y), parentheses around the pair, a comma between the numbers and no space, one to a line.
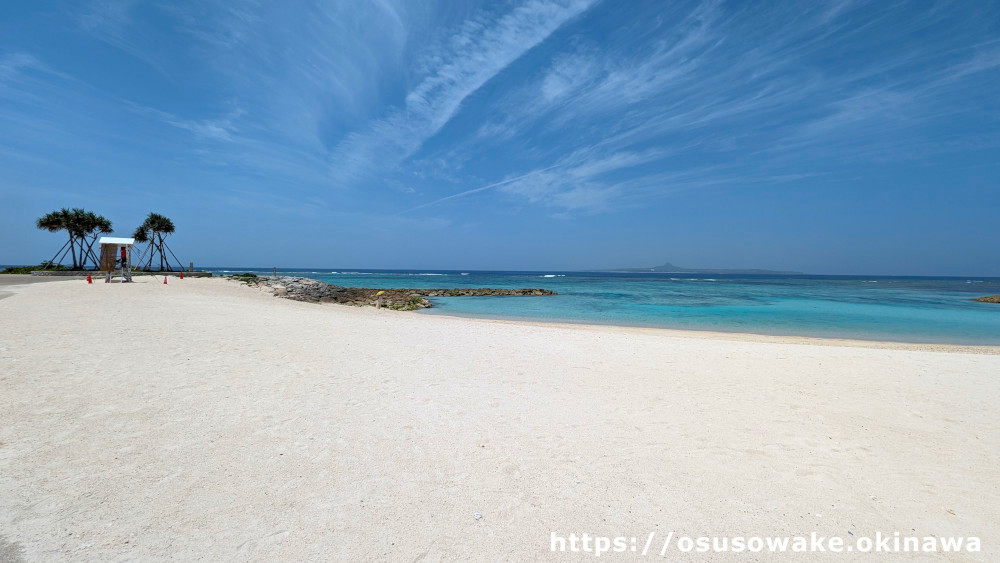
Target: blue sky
(828,137)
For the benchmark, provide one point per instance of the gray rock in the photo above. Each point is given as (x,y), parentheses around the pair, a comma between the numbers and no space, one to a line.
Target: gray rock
(315,291)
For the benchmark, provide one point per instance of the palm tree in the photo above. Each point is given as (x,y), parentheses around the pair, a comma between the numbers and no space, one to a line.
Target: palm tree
(61,220)
(82,226)
(153,230)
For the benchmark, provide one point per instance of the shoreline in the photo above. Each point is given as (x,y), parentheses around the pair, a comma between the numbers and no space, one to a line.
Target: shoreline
(277,287)
(734,336)
(744,336)
(674,332)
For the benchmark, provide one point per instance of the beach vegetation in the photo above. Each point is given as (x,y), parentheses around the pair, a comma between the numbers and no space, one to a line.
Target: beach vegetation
(247,277)
(28,269)
(154,230)
(82,229)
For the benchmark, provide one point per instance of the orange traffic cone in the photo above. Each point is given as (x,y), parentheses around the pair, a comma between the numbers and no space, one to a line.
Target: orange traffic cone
(182,275)
(89,280)
(164,280)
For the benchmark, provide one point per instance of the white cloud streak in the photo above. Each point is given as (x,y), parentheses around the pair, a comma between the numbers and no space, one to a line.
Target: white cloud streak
(479,189)
(478,52)
(711,85)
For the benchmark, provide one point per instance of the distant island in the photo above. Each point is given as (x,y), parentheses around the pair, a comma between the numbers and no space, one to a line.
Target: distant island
(669,268)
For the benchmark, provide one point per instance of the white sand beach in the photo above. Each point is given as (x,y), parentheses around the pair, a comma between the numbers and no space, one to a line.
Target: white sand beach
(205,420)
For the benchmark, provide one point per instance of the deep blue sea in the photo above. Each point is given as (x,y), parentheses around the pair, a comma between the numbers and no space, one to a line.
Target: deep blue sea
(906,309)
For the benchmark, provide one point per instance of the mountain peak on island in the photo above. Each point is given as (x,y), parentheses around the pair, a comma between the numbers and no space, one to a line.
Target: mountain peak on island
(668,268)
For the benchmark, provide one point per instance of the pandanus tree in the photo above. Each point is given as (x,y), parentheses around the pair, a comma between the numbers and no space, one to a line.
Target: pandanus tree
(82,227)
(154,231)
(60,221)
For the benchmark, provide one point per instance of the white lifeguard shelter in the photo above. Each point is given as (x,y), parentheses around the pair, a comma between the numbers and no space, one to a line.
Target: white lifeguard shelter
(116,256)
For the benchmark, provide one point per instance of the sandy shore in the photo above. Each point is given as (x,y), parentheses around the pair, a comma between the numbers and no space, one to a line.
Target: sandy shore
(203,420)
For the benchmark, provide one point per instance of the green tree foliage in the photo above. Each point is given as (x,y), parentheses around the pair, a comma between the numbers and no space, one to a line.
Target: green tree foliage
(82,228)
(153,231)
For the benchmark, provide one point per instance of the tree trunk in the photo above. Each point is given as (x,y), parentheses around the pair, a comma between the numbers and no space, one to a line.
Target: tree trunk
(72,249)
(160,248)
(83,255)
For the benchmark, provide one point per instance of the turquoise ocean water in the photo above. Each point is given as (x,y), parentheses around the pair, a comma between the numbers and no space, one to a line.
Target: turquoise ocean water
(906,309)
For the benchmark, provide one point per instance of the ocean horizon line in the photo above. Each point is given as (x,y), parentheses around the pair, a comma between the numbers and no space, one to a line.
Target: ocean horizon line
(620,271)
(347,270)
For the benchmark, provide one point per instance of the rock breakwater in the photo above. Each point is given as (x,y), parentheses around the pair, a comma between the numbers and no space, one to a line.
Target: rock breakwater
(401,299)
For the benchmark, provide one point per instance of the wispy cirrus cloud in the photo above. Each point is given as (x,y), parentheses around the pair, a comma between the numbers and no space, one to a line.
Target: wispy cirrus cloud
(535,102)
(110,21)
(716,86)
(482,48)
(222,128)
(575,182)
(13,63)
